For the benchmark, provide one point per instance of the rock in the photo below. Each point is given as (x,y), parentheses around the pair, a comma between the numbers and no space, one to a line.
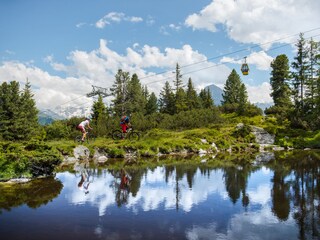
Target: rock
(19,180)
(202,152)
(102,159)
(262,136)
(81,152)
(239,126)
(68,160)
(204,140)
(214,146)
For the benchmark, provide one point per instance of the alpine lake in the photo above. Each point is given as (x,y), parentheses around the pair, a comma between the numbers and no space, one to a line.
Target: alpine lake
(275,195)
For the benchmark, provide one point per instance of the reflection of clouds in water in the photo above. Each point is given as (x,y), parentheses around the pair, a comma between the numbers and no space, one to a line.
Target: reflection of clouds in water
(151,198)
(258,225)
(261,195)
(154,191)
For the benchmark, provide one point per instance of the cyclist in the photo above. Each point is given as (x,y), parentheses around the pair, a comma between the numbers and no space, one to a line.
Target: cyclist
(82,127)
(124,123)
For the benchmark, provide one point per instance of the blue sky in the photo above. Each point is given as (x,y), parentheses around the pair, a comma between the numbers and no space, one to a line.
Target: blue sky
(64,47)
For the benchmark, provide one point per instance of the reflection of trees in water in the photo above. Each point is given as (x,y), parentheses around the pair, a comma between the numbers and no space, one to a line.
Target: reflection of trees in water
(126,182)
(304,194)
(34,194)
(236,183)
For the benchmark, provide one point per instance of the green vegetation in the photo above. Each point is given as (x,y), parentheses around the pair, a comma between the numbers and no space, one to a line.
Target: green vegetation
(180,121)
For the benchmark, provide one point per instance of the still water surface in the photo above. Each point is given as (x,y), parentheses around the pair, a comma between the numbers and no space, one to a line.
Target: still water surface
(278,199)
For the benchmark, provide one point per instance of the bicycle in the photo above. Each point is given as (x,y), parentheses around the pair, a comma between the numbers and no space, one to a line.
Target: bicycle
(90,137)
(130,134)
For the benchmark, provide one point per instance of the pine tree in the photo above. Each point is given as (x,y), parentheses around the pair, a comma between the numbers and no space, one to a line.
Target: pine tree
(300,74)
(29,114)
(311,81)
(152,104)
(193,101)
(167,101)
(135,98)
(243,100)
(178,83)
(119,91)
(18,113)
(206,100)
(231,89)
(99,117)
(280,77)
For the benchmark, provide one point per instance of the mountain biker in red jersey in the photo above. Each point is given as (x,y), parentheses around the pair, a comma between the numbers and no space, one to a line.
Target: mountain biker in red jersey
(124,123)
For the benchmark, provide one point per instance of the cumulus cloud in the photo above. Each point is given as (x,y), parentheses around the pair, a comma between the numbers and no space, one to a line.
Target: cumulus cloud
(50,91)
(260,59)
(116,17)
(99,66)
(260,93)
(260,22)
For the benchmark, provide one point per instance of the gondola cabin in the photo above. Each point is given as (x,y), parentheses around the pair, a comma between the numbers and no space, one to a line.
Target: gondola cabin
(245,67)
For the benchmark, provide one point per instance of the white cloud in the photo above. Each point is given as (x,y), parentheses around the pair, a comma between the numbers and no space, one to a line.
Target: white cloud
(259,94)
(99,67)
(116,17)
(50,91)
(251,21)
(260,59)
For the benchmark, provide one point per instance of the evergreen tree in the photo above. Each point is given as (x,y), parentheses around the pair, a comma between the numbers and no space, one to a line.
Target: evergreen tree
(177,83)
(300,74)
(18,113)
(10,100)
(206,100)
(119,91)
(180,101)
(243,99)
(29,113)
(167,101)
(193,101)
(135,98)
(311,81)
(152,104)
(280,75)
(99,117)
(231,89)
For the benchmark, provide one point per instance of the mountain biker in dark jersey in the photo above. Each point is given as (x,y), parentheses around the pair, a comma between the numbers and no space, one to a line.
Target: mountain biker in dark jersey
(124,123)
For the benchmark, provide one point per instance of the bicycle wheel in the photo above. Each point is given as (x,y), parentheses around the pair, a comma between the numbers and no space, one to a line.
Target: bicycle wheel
(134,136)
(117,135)
(77,139)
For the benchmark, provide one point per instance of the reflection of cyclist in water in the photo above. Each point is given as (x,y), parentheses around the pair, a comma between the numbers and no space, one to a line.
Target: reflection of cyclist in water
(84,183)
(123,188)
(125,180)
(85,180)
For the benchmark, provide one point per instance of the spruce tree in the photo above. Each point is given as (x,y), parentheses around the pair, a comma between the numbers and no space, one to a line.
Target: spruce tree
(99,117)
(178,83)
(28,114)
(280,88)
(135,98)
(119,91)
(167,101)
(231,89)
(243,100)
(206,100)
(193,101)
(279,81)
(152,104)
(300,74)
